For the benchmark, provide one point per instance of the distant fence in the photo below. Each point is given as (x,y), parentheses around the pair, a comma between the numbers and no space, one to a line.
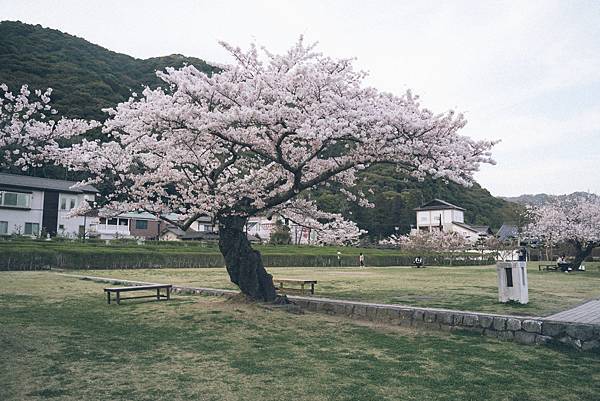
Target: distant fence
(34,258)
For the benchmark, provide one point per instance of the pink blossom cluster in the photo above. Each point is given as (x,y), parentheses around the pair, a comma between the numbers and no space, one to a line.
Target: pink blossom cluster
(29,134)
(330,228)
(429,241)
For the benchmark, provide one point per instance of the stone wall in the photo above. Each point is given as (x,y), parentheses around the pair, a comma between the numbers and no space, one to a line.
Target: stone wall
(524,330)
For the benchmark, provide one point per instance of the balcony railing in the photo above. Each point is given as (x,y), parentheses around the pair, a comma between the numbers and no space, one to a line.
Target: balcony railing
(109,229)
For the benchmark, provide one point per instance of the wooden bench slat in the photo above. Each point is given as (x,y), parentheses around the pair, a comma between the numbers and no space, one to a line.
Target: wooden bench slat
(138,287)
(143,296)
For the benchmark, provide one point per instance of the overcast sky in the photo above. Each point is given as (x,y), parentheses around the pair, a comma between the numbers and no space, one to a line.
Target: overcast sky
(525,72)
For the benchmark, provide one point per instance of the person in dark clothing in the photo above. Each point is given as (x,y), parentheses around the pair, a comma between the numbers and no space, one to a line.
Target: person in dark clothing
(562,264)
(418,262)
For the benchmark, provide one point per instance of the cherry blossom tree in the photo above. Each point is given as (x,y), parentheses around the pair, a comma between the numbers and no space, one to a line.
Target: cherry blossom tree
(574,220)
(259,133)
(29,134)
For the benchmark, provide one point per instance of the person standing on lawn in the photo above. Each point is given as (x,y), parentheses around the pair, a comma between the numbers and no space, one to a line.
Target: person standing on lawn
(339,258)
(361,260)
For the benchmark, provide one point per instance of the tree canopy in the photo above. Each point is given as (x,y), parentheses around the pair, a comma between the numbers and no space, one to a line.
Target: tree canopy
(574,220)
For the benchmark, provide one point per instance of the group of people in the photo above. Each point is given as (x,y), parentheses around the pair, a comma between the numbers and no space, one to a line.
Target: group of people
(361,259)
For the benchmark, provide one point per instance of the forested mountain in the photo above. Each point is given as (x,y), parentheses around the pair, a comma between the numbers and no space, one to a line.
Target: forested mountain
(86,78)
(540,199)
(395,196)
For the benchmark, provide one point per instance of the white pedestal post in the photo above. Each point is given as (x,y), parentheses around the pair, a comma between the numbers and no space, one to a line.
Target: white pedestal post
(512,282)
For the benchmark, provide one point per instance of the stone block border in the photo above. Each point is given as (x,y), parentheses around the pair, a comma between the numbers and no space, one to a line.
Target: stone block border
(523,330)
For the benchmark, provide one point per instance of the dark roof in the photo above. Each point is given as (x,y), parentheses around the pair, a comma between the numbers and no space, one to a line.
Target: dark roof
(482,229)
(438,204)
(24,181)
(463,225)
(175,230)
(507,231)
(475,229)
(204,219)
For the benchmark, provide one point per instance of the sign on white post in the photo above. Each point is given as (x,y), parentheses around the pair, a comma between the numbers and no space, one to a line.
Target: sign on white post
(512,282)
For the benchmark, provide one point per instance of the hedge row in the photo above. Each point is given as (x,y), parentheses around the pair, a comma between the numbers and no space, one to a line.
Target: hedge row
(37,259)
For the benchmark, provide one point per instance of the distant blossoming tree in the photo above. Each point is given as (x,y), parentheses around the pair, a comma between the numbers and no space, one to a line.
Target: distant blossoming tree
(430,241)
(256,135)
(574,220)
(29,134)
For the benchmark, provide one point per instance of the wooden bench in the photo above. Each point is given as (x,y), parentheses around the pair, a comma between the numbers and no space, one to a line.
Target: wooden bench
(547,266)
(157,287)
(302,283)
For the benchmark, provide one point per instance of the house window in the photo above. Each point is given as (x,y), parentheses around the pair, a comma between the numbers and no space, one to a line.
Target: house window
(123,222)
(68,202)
(3,227)
(61,226)
(15,199)
(102,220)
(32,228)
(112,222)
(141,224)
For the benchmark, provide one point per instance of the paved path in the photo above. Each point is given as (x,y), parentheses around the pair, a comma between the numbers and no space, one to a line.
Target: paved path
(588,312)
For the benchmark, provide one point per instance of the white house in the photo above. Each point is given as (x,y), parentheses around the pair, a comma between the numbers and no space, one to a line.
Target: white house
(441,215)
(145,225)
(29,205)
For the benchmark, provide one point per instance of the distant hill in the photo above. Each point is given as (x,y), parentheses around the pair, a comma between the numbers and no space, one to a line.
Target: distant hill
(86,78)
(540,199)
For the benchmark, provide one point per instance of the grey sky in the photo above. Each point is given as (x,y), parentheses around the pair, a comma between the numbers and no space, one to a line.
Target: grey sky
(525,72)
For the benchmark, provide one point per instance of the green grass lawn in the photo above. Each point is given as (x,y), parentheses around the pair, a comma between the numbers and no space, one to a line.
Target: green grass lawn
(466,288)
(60,340)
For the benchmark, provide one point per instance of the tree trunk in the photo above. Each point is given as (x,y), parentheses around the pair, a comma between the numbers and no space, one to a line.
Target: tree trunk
(244,264)
(582,252)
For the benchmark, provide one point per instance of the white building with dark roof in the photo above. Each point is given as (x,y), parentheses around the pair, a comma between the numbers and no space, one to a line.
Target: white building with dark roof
(441,215)
(30,205)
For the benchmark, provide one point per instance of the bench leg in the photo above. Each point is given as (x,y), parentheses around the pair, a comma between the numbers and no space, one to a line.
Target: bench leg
(312,289)
(118,297)
(108,296)
(158,294)
(168,294)
(302,288)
